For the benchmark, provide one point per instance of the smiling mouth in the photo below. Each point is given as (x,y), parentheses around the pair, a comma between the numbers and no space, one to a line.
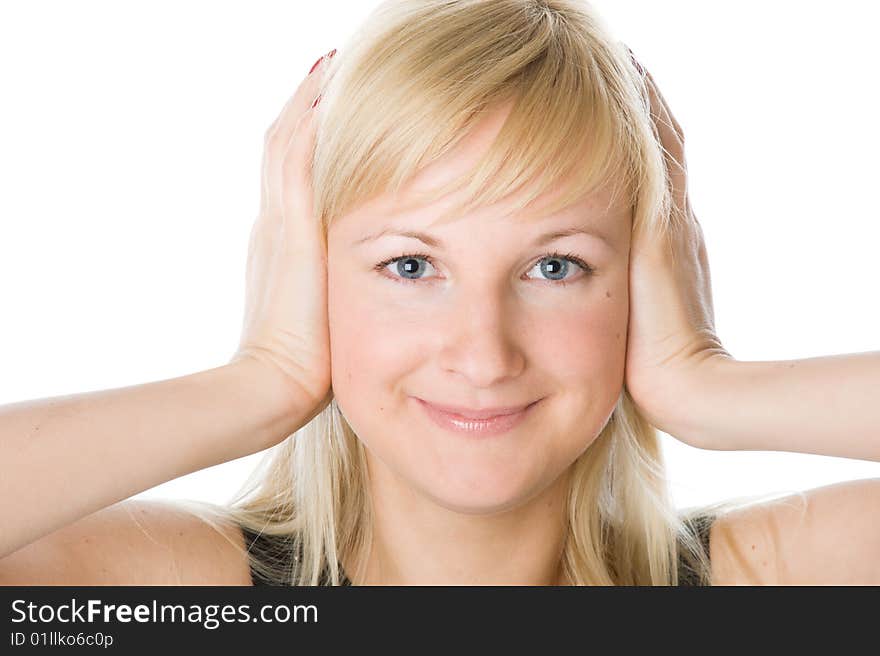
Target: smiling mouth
(491,423)
(478,414)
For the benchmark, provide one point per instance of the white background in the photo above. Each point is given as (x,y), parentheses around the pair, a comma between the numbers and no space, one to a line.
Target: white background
(130,144)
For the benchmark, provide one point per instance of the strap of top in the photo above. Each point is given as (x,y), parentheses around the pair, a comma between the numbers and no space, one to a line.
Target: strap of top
(277,549)
(700,524)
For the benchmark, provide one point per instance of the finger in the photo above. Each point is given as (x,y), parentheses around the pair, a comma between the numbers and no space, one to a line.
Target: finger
(659,107)
(662,107)
(300,101)
(300,226)
(279,133)
(258,261)
(668,129)
(669,132)
(671,142)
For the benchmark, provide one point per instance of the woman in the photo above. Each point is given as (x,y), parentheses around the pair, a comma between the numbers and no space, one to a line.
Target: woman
(562,289)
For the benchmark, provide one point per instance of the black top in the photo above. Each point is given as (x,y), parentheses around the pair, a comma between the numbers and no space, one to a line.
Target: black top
(274,548)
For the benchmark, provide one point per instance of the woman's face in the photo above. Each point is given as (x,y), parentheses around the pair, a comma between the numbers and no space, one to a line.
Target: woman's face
(486,322)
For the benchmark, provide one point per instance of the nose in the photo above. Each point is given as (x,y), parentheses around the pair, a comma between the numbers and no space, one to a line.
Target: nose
(480,341)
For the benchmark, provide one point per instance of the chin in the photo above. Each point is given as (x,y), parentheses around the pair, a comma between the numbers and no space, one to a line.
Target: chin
(483,496)
(478,507)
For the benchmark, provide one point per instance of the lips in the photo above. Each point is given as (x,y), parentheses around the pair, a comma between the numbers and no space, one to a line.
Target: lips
(484,413)
(487,422)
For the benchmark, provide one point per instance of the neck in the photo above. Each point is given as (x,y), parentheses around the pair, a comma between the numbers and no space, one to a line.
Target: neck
(416,541)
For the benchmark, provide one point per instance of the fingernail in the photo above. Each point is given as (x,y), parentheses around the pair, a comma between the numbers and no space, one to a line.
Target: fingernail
(635,61)
(315,65)
(317,100)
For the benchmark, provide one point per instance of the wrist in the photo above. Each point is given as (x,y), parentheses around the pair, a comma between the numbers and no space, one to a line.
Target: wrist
(268,394)
(713,403)
(696,407)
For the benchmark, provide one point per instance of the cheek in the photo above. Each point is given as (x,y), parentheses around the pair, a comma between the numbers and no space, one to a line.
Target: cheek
(368,347)
(589,341)
(584,355)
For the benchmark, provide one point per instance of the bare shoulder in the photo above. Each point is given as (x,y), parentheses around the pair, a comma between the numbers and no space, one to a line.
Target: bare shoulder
(827,536)
(133,542)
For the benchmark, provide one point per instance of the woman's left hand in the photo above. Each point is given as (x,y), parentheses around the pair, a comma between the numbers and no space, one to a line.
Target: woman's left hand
(671,340)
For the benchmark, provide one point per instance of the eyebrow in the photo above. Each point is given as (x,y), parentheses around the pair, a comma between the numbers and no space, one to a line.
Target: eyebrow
(434,242)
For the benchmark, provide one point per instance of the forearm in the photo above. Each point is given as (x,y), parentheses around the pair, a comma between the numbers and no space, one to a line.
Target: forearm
(824,405)
(65,457)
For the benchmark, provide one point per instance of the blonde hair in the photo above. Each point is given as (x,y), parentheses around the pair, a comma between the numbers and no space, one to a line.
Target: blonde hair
(402,92)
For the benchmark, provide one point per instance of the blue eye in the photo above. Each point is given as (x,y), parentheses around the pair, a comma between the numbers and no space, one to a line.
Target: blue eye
(409,267)
(557,265)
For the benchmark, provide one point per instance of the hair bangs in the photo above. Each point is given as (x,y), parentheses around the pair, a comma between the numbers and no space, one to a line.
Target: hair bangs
(559,143)
(568,132)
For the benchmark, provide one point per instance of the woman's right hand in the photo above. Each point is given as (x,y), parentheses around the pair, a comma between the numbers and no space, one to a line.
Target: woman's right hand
(285,317)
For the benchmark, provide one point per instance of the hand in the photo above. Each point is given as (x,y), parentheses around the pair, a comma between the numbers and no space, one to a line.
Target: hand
(671,341)
(285,317)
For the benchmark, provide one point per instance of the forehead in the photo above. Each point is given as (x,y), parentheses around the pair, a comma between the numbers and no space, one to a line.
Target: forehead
(402,211)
